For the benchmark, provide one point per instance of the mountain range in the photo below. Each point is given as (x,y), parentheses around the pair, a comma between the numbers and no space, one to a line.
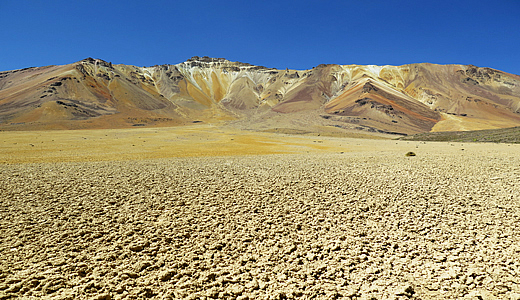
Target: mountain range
(404,100)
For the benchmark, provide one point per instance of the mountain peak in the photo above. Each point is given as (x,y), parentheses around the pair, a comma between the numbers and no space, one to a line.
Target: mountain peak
(207,59)
(96,61)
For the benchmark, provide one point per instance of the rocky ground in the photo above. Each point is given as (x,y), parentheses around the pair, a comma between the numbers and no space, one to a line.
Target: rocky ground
(320,226)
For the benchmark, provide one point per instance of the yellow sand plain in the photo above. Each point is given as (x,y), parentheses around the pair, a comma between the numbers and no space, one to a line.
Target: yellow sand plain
(196,141)
(148,143)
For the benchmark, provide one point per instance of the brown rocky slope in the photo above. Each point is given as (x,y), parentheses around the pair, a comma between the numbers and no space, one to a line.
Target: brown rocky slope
(405,99)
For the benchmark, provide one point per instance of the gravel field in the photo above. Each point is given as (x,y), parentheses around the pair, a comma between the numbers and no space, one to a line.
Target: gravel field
(440,225)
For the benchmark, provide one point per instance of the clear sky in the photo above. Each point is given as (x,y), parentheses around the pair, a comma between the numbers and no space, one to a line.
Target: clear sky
(281,34)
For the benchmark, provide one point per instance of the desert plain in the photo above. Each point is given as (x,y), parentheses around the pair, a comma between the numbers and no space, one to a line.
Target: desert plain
(203,212)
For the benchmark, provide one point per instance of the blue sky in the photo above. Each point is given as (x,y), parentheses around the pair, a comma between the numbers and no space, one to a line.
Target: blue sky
(280,34)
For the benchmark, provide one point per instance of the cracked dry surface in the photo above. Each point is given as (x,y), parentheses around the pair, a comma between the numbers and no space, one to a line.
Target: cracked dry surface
(318,226)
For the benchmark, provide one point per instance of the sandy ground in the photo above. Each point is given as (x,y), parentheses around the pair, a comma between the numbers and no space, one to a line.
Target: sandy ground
(147,143)
(303,220)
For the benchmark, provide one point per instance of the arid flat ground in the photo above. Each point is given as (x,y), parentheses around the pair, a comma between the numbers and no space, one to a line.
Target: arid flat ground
(209,213)
(149,143)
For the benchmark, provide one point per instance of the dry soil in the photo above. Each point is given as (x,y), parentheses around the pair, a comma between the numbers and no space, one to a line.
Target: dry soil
(369,223)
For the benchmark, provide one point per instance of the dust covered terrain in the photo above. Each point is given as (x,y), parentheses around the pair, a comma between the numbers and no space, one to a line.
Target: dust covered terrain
(370,224)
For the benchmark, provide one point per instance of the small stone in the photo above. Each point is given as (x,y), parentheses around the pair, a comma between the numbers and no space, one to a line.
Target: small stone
(166,275)
(139,246)
(236,289)
(405,290)
(131,274)
(217,246)
(311,256)
(135,248)
(33,283)
(212,293)
(253,285)
(142,266)
(105,296)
